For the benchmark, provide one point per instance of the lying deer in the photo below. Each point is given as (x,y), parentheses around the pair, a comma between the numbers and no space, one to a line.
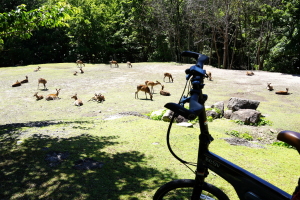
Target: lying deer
(248,73)
(98,97)
(25,80)
(16,84)
(270,87)
(53,96)
(43,81)
(38,97)
(75,73)
(152,84)
(163,92)
(145,89)
(283,92)
(37,69)
(129,64)
(113,62)
(77,102)
(168,75)
(79,63)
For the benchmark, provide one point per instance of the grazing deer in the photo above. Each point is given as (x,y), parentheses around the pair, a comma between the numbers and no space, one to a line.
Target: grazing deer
(37,69)
(53,96)
(113,62)
(25,80)
(129,64)
(43,81)
(163,92)
(248,73)
(81,71)
(16,84)
(77,102)
(38,97)
(145,89)
(168,75)
(283,92)
(152,84)
(79,63)
(208,75)
(270,87)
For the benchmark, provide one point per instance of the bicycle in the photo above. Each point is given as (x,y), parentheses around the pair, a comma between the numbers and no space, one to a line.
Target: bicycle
(247,185)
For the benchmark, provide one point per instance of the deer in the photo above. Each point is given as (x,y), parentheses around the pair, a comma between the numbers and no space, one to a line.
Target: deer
(37,69)
(152,84)
(25,80)
(77,102)
(43,81)
(79,63)
(269,87)
(129,64)
(113,62)
(75,73)
(53,96)
(16,84)
(81,71)
(145,89)
(208,75)
(98,97)
(283,92)
(38,97)
(249,73)
(168,75)
(163,92)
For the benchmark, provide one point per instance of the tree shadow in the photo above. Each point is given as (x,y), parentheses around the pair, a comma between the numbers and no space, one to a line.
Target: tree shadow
(25,174)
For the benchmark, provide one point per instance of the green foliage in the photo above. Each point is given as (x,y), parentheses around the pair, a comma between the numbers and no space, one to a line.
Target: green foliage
(157,117)
(261,122)
(235,133)
(281,144)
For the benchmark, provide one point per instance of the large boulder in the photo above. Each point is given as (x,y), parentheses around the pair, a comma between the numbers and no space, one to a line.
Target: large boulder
(246,115)
(235,104)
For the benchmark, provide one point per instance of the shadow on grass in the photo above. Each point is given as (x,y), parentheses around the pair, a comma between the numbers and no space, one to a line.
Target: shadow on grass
(25,174)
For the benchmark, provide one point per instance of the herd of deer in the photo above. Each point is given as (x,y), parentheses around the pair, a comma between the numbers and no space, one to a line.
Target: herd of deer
(78,102)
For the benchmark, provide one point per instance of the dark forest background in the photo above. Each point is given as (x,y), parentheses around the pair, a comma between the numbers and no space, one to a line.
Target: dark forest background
(235,34)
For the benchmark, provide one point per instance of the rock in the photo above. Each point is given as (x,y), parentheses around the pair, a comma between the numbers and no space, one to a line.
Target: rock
(237,104)
(219,107)
(246,115)
(185,124)
(169,114)
(212,113)
(227,114)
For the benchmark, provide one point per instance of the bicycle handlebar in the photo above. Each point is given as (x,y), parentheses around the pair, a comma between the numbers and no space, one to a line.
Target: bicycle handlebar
(197,81)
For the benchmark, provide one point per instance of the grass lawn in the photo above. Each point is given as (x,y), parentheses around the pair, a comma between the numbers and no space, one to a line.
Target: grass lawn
(131,146)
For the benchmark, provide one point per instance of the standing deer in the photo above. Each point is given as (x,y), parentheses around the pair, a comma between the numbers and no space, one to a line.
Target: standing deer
(43,81)
(168,75)
(152,84)
(113,62)
(53,96)
(79,63)
(145,89)
(208,75)
(129,64)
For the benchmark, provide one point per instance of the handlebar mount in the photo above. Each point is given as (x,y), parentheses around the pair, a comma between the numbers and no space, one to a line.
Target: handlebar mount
(196,74)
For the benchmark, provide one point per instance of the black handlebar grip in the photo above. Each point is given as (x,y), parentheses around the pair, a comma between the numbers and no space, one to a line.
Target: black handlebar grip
(176,108)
